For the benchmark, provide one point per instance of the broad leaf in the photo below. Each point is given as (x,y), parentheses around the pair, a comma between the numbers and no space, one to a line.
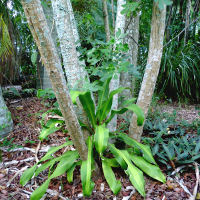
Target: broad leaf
(66,163)
(101,137)
(106,107)
(111,161)
(115,185)
(102,97)
(135,175)
(46,165)
(74,94)
(40,191)
(48,155)
(27,175)
(146,151)
(151,170)
(88,106)
(86,171)
(52,126)
(139,113)
(118,157)
(70,173)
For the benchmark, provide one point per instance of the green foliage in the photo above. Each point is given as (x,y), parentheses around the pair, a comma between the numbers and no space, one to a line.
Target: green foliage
(162,3)
(170,141)
(46,94)
(180,74)
(98,142)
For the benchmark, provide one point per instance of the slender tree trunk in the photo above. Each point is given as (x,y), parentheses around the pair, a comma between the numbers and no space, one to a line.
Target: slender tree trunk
(113,14)
(74,72)
(106,19)
(41,34)
(132,37)
(187,20)
(68,36)
(114,84)
(152,68)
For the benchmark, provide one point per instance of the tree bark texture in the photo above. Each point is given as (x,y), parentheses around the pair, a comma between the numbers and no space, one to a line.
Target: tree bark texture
(41,34)
(152,68)
(113,14)
(106,19)
(74,72)
(6,123)
(132,37)
(187,20)
(114,84)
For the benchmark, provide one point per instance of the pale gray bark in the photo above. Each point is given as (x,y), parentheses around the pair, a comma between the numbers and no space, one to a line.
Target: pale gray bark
(114,84)
(106,19)
(113,14)
(74,72)
(132,37)
(187,20)
(152,68)
(6,123)
(41,34)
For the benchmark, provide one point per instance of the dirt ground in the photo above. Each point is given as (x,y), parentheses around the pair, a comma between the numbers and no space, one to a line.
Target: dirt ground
(26,113)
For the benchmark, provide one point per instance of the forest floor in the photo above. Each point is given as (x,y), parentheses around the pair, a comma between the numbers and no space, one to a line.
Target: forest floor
(26,113)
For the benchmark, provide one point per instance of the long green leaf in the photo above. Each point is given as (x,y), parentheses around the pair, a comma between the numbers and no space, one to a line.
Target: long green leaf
(74,94)
(146,151)
(46,165)
(114,184)
(88,106)
(40,191)
(27,175)
(135,175)
(106,107)
(52,150)
(139,113)
(50,128)
(151,170)
(70,173)
(101,137)
(102,97)
(86,171)
(118,157)
(66,163)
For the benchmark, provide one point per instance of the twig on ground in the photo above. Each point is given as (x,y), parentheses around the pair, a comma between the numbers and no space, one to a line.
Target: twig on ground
(16,174)
(193,197)
(180,182)
(14,162)
(36,152)
(55,193)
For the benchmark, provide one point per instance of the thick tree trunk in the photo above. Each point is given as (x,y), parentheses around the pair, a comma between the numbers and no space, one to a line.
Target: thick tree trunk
(132,37)
(114,84)
(106,19)
(152,68)
(6,123)
(41,34)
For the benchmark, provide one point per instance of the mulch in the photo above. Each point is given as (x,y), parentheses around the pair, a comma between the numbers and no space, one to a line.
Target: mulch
(26,114)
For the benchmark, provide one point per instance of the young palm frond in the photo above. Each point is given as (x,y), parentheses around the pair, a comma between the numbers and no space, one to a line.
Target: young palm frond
(6,46)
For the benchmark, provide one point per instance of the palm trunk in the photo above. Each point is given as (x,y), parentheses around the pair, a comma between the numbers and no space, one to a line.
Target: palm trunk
(41,34)
(152,68)
(106,19)
(114,84)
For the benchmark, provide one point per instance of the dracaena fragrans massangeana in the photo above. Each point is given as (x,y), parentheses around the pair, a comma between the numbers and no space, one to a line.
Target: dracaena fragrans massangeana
(134,160)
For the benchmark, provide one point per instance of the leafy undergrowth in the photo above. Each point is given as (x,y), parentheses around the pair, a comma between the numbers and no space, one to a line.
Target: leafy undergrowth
(26,114)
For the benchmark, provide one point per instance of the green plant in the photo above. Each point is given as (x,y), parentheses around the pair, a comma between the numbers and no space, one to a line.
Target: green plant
(46,94)
(5,142)
(134,160)
(170,141)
